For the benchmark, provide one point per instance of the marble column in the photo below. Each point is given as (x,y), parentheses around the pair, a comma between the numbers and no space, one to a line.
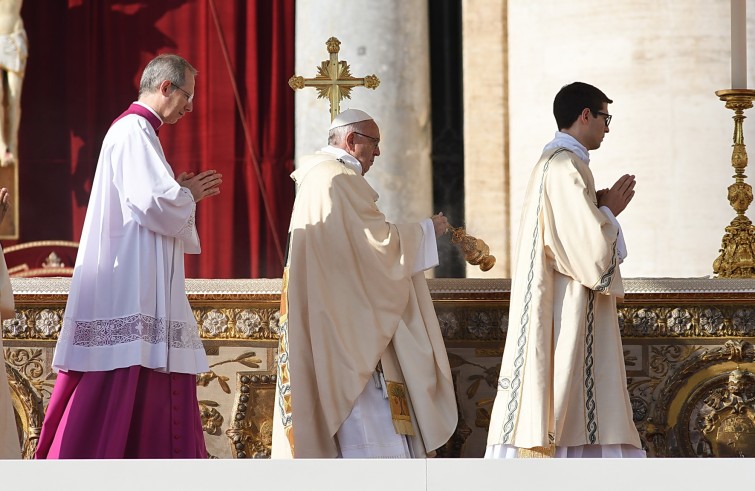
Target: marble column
(486,169)
(389,39)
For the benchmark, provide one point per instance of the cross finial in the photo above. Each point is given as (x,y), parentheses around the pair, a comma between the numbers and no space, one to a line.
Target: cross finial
(334,80)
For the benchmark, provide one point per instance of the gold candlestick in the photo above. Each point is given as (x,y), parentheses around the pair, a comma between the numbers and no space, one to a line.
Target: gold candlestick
(476,251)
(737,253)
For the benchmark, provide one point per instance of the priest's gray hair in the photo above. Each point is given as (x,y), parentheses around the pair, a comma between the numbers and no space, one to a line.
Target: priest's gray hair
(337,136)
(164,67)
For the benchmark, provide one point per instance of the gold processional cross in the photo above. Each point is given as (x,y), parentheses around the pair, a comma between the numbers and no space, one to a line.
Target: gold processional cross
(334,80)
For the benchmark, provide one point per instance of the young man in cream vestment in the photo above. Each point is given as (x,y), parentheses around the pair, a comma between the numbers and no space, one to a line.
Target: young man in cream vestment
(363,371)
(562,387)
(9,444)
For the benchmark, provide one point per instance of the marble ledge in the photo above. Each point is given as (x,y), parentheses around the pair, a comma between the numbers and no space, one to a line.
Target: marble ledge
(441,288)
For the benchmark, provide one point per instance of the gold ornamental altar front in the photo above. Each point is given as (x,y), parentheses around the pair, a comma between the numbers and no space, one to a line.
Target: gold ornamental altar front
(689,351)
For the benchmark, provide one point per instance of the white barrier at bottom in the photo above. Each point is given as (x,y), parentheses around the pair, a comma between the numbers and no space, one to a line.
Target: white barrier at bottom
(377,475)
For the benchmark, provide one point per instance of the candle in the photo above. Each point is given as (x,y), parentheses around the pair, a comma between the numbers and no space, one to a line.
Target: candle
(738,44)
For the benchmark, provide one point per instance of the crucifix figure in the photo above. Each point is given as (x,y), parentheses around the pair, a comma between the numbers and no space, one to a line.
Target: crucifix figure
(334,80)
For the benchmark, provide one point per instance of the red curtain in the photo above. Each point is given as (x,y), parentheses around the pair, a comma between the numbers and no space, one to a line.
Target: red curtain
(85,60)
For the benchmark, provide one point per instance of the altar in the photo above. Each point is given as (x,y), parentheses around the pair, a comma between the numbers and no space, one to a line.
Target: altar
(689,351)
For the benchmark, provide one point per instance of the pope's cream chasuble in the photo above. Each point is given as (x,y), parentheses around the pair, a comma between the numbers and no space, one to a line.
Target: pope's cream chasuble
(353,304)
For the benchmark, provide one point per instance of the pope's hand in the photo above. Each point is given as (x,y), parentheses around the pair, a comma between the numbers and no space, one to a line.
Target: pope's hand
(440,223)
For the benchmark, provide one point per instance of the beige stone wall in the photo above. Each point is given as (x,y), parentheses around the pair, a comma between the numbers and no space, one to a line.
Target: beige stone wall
(661,63)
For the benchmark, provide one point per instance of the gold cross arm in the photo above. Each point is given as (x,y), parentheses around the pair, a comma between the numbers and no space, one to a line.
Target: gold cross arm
(334,80)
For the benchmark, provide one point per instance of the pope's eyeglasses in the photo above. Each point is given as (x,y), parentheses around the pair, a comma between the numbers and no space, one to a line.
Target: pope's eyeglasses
(375,141)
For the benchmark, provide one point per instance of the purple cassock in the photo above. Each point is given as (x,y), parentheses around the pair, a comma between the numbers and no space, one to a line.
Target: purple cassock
(127,413)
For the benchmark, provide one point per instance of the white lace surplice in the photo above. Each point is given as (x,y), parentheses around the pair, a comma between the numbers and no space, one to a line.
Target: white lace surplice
(127,304)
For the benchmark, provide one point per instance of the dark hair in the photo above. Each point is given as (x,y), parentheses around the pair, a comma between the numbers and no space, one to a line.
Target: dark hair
(572,99)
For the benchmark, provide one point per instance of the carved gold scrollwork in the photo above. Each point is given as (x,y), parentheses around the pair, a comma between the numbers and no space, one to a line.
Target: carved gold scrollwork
(27,400)
(251,430)
(728,417)
(215,324)
(687,321)
(47,323)
(230,323)
(211,418)
(248,323)
(679,350)
(16,327)
(483,323)
(691,393)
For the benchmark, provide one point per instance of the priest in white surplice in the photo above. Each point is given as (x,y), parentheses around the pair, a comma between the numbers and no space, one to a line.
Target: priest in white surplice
(362,367)
(562,387)
(129,349)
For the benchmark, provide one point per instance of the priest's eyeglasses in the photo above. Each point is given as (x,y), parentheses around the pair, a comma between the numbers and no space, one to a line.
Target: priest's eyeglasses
(375,141)
(608,117)
(189,97)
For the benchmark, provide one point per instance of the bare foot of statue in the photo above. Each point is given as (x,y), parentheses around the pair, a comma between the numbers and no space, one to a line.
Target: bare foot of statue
(7,160)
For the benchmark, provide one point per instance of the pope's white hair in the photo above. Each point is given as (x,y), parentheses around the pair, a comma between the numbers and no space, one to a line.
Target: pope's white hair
(337,136)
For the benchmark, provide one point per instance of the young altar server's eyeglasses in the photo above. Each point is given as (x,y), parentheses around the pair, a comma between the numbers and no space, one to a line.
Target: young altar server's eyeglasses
(608,117)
